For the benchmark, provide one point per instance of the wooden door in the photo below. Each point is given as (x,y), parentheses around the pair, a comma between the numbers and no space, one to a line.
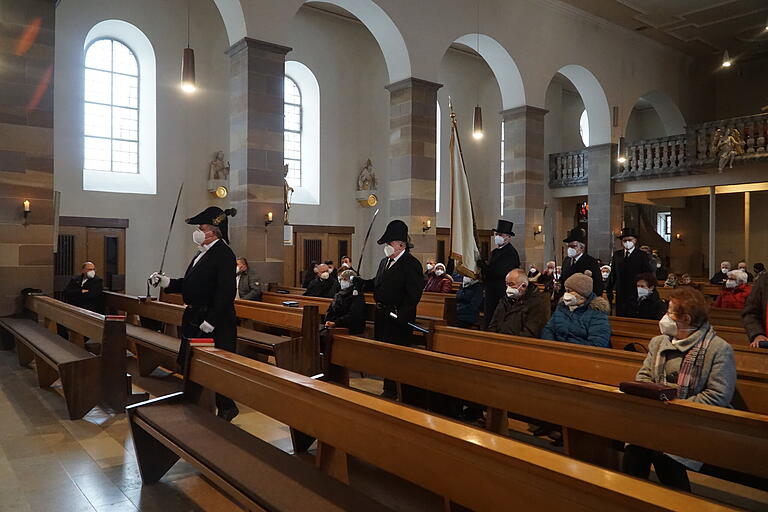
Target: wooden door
(309,247)
(106,249)
(315,243)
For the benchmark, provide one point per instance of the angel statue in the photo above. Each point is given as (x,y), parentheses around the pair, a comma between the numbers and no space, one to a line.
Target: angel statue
(287,193)
(367,178)
(727,147)
(219,169)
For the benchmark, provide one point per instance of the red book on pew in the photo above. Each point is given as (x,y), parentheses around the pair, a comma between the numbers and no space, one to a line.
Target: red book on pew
(201,342)
(648,390)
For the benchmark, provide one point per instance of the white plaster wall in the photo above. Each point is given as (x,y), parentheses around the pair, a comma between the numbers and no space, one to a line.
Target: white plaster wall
(561,123)
(189,128)
(644,124)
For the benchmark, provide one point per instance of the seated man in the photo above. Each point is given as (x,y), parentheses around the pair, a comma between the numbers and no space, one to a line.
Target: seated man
(469,302)
(346,263)
(332,269)
(248,285)
(580,317)
(742,265)
(671,281)
(348,307)
(523,311)
(649,305)
(736,291)
(439,281)
(322,285)
(720,277)
(86,290)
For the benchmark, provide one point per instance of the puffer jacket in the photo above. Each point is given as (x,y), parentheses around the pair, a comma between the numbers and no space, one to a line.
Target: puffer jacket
(585,325)
(733,298)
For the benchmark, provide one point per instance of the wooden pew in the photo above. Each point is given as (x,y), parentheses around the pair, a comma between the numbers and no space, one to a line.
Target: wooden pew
(724,437)
(599,365)
(467,466)
(647,329)
(87,379)
(726,317)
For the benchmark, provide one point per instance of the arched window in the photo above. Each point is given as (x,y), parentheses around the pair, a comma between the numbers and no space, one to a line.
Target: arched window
(584,128)
(119,110)
(437,159)
(301,132)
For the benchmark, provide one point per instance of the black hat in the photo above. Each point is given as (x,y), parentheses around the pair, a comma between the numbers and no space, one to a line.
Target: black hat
(396,230)
(504,226)
(625,232)
(214,216)
(576,235)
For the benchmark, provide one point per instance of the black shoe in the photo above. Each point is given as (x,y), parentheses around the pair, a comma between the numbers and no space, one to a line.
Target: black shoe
(228,414)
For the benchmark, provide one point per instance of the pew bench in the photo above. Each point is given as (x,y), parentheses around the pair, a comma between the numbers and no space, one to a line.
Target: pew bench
(467,466)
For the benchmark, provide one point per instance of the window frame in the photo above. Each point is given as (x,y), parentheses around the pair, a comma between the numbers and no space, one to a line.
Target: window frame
(300,131)
(308,193)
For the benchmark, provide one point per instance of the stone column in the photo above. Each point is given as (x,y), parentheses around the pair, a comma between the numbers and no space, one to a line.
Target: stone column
(256,154)
(605,207)
(525,176)
(26,150)
(412,147)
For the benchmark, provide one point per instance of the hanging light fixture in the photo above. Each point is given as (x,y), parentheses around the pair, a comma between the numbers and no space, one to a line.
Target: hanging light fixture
(766,24)
(620,158)
(477,125)
(188,63)
(726,60)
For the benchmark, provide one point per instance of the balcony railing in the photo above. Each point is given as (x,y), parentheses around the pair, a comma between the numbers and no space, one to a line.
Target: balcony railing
(714,144)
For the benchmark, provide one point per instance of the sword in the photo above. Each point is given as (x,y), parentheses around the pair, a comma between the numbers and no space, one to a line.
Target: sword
(167,238)
(365,242)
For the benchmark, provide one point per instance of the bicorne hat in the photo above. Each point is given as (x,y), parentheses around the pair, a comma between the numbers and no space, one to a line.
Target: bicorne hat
(505,227)
(576,235)
(214,216)
(396,230)
(625,232)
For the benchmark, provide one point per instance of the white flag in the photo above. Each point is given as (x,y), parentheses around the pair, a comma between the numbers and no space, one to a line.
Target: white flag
(463,244)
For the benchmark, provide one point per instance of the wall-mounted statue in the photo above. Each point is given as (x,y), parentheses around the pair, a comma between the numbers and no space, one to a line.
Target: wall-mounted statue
(726,147)
(367,178)
(287,193)
(219,169)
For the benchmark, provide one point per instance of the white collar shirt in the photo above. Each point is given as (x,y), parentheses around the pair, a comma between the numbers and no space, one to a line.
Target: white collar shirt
(203,249)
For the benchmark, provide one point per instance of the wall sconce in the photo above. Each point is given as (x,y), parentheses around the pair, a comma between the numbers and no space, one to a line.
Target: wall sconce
(268,219)
(537,230)
(427,225)
(678,237)
(27,209)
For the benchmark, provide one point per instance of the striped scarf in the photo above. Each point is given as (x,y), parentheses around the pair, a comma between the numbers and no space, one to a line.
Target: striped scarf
(692,363)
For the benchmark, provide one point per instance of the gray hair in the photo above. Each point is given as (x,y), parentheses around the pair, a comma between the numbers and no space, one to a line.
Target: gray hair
(216,231)
(739,275)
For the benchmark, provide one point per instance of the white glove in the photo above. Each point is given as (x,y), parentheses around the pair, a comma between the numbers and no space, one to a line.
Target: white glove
(159,279)
(206,327)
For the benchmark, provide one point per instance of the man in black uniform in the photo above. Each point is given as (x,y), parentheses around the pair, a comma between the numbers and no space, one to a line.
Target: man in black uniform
(208,288)
(503,259)
(397,290)
(626,265)
(85,290)
(580,262)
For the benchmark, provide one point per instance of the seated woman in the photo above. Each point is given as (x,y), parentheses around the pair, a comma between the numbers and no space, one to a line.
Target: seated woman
(685,280)
(649,305)
(439,281)
(469,301)
(671,281)
(580,317)
(736,291)
(690,356)
(348,306)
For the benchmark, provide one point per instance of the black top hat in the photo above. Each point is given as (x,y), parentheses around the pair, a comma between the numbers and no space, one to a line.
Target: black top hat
(504,226)
(625,232)
(214,216)
(576,235)
(396,230)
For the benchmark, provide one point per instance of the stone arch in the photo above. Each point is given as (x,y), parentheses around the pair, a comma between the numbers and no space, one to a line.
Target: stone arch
(384,31)
(667,110)
(595,102)
(234,20)
(503,66)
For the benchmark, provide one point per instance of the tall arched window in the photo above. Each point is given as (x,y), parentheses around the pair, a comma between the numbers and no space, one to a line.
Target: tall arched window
(584,128)
(119,147)
(302,132)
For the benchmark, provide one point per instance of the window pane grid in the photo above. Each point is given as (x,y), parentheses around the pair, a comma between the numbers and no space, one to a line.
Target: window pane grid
(292,131)
(111,126)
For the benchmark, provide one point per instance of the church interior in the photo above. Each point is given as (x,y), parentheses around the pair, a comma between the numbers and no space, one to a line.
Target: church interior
(489,255)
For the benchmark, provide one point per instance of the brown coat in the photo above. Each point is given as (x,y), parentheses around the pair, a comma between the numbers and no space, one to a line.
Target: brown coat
(526,316)
(754,312)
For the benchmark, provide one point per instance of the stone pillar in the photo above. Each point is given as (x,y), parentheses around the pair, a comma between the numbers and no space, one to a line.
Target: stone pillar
(525,177)
(605,207)
(256,154)
(412,147)
(26,150)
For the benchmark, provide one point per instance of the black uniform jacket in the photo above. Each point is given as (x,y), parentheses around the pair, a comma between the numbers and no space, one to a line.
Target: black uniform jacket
(208,289)
(502,260)
(586,262)
(348,310)
(92,300)
(622,278)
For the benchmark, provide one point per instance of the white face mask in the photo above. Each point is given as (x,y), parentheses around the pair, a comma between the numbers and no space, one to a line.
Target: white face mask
(668,326)
(731,283)
(533,270)
(743,269)
(629,245)
(325,275)
(498,240)
(388,250)
(512,292)
(605,275)
(439,272)
(345,284)
(725,270)
(198,237)
(658,265)
(466,281)
(345,265)
(571,252)
(90,274)
(430,266)
(643,292)
(237,270)
(570,299)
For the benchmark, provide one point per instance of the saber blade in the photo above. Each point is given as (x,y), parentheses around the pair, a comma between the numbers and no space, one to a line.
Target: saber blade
(365,242)
(170,228)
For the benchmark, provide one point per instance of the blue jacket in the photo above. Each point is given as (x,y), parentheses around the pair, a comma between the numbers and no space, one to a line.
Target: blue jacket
(585,325)
(469,299)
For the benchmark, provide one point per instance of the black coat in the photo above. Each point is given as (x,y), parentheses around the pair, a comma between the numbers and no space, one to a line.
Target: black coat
(348,310)
(652,307)
(622,278)
(719,278)
(322,288)
(208,289)
(92,299)
(502,260)
(586,262)
(468,302)
(396,290)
